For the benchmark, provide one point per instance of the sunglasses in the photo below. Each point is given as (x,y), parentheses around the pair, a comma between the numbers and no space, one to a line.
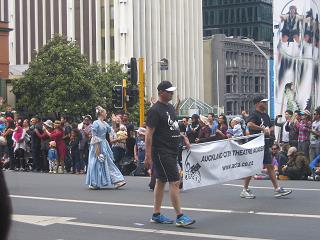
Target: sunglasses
(274,148)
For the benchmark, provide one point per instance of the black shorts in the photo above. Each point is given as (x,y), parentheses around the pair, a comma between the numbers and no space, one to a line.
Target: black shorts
(166,166)
(267,157)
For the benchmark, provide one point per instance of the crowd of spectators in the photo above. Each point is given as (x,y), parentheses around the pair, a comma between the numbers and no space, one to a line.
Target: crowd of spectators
(61,146)
(58,146)
(295,149)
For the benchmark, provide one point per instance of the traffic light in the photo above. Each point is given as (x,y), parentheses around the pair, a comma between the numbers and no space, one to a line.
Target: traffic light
(132,96)
(117,96)
(132,71)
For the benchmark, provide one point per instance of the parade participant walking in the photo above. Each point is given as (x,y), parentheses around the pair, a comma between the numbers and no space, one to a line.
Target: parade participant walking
(162,142)
(259,121)
(102,171)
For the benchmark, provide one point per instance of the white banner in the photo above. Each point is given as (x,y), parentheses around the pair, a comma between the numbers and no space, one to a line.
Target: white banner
(221,161)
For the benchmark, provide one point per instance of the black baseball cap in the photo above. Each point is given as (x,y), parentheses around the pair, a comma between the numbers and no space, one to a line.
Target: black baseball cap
(258,99)
(166,86)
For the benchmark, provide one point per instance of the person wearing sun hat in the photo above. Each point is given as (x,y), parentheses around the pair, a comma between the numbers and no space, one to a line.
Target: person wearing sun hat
(235,129)
(57,136)
(162,148)
(205,130)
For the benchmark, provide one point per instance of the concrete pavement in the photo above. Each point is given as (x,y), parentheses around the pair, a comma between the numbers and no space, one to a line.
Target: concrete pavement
(125,213)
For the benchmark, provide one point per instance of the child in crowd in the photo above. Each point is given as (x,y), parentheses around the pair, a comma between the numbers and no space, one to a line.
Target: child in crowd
(52,156)
(139,152)
(75,138)
(122,133)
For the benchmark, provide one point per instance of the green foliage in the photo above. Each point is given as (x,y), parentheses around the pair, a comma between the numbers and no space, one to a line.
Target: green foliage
(60,80)
(135,112)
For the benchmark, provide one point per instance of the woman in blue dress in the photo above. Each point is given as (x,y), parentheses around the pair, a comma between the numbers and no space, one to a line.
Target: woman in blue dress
(102,172)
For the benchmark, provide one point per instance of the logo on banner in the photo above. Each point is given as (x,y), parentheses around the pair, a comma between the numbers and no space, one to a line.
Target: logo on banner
(192,171)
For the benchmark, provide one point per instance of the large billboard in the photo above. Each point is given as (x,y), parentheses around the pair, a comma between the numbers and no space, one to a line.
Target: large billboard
(296,54)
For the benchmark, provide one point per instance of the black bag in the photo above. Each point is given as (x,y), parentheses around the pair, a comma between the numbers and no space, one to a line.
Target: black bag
(127,166)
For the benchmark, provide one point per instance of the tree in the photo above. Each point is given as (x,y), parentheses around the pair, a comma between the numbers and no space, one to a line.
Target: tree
(61,80)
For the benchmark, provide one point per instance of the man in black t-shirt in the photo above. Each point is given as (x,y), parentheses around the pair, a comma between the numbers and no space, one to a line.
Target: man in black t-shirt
(259,122)
(161,144)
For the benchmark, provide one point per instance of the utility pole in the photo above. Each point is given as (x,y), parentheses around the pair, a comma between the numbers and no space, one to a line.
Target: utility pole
(124,85)
(141,90)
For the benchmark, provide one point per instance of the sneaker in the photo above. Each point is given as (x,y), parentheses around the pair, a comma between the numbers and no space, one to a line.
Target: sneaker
(311,178)
(247,194)
(161,219)
(281,192)
(184,221)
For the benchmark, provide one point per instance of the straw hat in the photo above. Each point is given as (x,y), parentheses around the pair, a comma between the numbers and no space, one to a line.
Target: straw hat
(48,123)
(204,119)
(291,151)
(237,119)
(141,130)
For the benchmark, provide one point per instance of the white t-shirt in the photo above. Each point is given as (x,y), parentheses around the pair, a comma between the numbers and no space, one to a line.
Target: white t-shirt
(314,139)
(285,134)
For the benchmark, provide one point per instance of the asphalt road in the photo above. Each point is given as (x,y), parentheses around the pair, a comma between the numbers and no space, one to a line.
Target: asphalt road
(52,207)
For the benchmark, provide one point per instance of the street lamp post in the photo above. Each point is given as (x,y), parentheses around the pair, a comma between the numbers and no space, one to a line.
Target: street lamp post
(270,94)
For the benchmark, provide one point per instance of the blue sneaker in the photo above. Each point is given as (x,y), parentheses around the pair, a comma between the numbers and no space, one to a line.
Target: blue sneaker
(161,219)
(184,221)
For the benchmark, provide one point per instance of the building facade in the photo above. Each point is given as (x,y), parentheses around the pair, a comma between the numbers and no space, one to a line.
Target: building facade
(248,18)
(234,71)
(116,30)
(4,59)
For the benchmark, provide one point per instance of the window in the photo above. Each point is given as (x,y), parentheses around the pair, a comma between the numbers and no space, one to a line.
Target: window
(227,59)
(238,31)
(262,85)
(242,85)
(249,85)
(232,15)
(244,32)
(243,15)
(206,18)
(238,15)
(246,85)
(221,16)
(228,84)
(250,14)
(234,84)
(212,17)
(257,85)
(226,16)
(230,59)
(229,108)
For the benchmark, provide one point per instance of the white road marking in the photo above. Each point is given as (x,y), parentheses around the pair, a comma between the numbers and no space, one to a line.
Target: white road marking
(295,189)
(209,210)
(49,220)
